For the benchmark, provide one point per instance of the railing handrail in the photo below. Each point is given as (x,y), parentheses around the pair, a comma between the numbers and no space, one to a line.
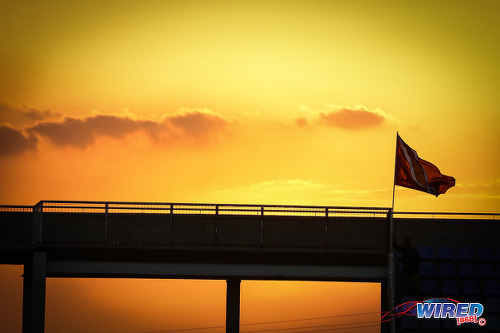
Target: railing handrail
(213,205)
(16,208)
(210,208)
(464,214)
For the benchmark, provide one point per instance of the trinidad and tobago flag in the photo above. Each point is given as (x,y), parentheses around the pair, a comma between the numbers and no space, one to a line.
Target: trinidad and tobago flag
(418,174)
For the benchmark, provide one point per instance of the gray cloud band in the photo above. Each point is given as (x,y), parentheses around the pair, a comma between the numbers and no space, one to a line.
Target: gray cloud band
(80,133)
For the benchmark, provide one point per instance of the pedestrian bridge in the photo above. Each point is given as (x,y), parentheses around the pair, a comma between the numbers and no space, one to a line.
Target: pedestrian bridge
(211,241)
(208,235)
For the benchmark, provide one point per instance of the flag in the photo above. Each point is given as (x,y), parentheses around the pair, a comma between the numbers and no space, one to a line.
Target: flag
(413,172)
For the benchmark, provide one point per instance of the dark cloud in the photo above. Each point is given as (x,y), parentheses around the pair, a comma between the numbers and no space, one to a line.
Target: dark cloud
(197,124)
(84,132)
(118,127)
(71,132)
(13,141)
(37,115)
(24,115)
(352,119)
(188,126)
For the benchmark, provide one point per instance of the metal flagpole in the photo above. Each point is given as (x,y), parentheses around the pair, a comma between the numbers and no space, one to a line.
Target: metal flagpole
(394,179)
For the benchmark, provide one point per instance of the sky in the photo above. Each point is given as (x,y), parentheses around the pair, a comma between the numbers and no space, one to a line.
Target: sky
(263,102)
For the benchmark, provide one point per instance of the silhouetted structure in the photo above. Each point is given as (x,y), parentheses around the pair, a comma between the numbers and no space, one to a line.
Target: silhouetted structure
(230,242)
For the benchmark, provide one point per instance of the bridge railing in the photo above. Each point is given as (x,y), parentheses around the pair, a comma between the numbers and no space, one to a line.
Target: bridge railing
(232,209)
(236,209)
(448,215)
(16,208)
(220,225)
(207,209)
(188,225)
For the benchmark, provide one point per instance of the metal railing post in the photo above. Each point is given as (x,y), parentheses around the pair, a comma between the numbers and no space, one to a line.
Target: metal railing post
(106,223)
(216,226)
(37,224)
(261,228)
(171,226)
(326,229)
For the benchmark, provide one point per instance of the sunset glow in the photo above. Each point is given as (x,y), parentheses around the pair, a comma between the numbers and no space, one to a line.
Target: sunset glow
(258,102)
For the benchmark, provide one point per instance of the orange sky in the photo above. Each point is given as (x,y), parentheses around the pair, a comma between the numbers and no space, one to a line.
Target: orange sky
(267,102)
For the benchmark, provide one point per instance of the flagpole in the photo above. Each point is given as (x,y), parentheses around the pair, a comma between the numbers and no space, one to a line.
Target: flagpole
(391,262)
(394,179)
(393,186)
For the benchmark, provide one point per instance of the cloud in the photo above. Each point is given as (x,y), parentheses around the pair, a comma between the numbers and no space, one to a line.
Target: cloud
(353,119)
(281,190)
(13,141)
(301,121)
(84,132)
(350,118)
(479,190)
(305,191)
(189,126)
(197,123)
(285,185)
(23,115)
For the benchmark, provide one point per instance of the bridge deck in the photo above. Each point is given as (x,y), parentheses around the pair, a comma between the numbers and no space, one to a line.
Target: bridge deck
(201,234)
(231,242)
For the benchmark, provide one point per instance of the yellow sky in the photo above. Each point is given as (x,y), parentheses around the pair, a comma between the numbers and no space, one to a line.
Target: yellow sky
(268,102)
(255,87)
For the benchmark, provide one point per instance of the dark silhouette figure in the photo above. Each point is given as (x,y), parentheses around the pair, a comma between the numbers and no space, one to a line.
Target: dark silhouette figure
(409,284)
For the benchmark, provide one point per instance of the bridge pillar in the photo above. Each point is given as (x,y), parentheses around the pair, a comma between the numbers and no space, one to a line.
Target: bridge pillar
(35,272)
(233,305)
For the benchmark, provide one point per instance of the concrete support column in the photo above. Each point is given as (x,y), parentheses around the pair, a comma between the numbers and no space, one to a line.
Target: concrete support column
(35,272)
(233,305)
